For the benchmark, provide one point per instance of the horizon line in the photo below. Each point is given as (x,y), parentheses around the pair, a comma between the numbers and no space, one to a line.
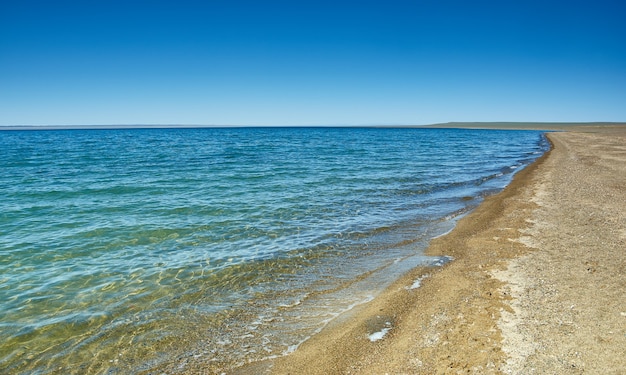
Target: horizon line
(216,126)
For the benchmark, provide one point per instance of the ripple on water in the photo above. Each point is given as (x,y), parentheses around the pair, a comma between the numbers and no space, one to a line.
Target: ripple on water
(129,250)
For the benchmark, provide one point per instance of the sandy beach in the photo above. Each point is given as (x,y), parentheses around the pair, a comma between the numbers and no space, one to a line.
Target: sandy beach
(537,285)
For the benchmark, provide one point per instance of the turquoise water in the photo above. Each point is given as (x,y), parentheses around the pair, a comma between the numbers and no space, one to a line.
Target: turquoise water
(127,250)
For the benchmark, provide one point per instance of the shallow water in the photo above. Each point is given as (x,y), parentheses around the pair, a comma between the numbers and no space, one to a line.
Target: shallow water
(122,250)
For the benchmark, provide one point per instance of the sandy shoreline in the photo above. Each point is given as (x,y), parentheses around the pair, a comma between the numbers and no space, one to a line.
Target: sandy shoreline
(538,285)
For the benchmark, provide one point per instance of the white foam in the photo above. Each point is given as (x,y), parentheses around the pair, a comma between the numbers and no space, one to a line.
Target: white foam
(295,303)
(380,334)
(443,260)
(418,282)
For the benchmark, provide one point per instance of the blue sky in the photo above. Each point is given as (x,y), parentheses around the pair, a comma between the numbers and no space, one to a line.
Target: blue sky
(311,62)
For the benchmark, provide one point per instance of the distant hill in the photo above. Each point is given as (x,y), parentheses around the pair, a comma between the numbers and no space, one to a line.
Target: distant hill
(527,125)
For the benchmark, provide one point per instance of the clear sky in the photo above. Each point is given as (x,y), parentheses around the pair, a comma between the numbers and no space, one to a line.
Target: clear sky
(231,62)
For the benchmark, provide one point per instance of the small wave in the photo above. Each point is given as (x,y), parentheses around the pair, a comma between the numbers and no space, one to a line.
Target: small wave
(295,303)
(324,323)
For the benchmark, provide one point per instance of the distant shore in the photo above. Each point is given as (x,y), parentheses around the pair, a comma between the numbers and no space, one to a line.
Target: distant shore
(546,126)
(537,285)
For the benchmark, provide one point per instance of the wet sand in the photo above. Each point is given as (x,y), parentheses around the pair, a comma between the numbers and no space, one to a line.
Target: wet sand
(538,284)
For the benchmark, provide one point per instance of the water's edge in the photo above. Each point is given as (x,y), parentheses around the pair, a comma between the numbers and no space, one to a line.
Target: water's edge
(182,295)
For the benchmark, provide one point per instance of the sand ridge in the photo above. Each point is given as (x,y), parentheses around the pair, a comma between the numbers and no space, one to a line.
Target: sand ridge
(570,294)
